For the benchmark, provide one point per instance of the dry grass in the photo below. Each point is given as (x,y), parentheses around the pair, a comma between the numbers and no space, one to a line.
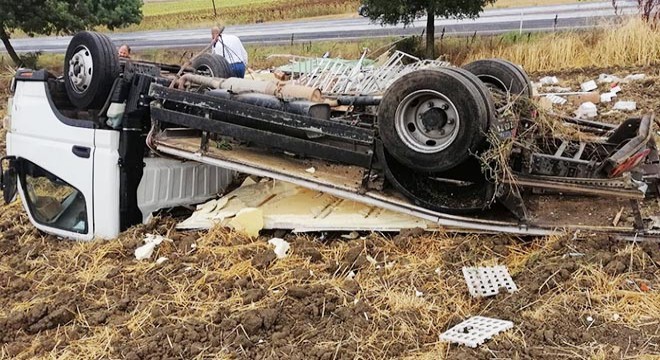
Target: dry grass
(632,44)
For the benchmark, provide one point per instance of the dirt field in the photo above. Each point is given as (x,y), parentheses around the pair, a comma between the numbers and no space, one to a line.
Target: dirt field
(220,295)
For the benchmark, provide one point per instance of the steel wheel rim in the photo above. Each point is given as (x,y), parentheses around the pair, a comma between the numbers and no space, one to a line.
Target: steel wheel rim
(427,121)
(81,69)
(206,70)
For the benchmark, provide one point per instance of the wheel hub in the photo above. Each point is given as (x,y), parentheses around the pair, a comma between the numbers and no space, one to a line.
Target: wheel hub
(427,121)
(81,69)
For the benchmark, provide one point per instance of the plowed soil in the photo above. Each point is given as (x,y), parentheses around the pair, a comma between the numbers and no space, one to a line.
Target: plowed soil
(221,295)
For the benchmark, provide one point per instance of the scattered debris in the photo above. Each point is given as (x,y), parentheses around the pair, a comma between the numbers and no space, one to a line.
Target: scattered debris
(634,77)
(579,98)
(589,86)
(558,89)
(161,260)
(617,218)
(290,207)
(150,242)
(607,97)
(555,99)
(248,221)
(587,110)
(572,255)
(311,170)
(475,331)
(487,281)
(625,106)
(351,236)
(607,79)
(418,293)
(549,80)
(281,247)
(361,77)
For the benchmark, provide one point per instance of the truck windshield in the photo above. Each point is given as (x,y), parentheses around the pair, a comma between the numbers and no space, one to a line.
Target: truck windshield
(52,201)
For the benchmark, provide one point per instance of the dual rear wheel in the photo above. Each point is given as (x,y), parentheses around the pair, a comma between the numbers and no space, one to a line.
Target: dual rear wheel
(433,120)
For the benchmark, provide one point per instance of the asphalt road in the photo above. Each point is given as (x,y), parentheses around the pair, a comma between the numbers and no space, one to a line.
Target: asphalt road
(538,18)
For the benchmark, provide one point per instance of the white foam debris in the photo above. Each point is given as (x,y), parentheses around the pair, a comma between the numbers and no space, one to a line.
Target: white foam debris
(351,236)
(607,97)
(475,331)
(281,247)
(586,111)
(350,275)
(418,293)
(311,170)
(634,77)
(150,242)
(556,99)
(487,281)
(589,86)
(625,106)
(549,80)
(161,260)
(608,79)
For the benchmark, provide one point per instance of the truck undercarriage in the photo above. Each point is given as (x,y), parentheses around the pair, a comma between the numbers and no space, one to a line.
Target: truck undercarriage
(464,148)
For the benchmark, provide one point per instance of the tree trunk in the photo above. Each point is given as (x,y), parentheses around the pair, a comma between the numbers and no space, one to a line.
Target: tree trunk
(10,49)
(430,32)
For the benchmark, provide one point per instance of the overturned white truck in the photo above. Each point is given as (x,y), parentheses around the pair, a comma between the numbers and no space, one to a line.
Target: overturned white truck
(100,148)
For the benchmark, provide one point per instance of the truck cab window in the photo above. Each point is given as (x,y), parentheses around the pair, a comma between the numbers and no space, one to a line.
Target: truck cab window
(52,201)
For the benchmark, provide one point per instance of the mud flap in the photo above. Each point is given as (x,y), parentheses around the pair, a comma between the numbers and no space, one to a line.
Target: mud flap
(8,178)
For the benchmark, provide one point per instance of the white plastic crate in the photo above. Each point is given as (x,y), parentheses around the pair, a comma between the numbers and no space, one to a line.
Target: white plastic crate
(487,281)
(475,331)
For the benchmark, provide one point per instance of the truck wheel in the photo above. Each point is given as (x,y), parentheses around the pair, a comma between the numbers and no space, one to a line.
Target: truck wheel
(212,65)
(502,75)
(91,65)
(432,120)
(483,91)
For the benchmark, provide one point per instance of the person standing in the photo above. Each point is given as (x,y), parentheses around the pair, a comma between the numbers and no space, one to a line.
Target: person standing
(231,48)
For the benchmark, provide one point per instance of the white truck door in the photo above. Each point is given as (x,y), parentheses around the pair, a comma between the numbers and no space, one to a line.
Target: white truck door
(55,161)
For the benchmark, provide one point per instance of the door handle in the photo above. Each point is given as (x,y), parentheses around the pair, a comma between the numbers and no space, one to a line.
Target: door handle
(81,151)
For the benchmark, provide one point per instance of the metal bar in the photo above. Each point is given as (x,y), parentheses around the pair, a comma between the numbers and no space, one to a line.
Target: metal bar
(299,146)
(562,148)
(578,154)
(253,112)
(577,188)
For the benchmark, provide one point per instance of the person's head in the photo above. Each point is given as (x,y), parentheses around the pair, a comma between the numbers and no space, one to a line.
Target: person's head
(215,32)
(124,51)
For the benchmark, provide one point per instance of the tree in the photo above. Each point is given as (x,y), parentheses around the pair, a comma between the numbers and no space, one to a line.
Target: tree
(63,17)
(406,11)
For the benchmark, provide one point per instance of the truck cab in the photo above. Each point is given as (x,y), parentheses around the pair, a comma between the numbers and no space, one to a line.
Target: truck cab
(66,167)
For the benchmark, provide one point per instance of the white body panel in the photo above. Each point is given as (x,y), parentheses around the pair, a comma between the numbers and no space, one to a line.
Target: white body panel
(168,183)
(106,184)
(38,135)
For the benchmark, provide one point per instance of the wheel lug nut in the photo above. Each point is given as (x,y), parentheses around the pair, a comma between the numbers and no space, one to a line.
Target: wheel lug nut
(444,107)
(450,121)
(431,105)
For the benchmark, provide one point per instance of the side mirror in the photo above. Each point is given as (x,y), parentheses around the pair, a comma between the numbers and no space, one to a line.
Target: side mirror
(8,179)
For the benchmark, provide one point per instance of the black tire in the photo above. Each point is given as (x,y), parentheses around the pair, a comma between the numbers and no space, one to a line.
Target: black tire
(502,74)
(466,132)
(485,94)
(92,90)
(363,11)
(213,65)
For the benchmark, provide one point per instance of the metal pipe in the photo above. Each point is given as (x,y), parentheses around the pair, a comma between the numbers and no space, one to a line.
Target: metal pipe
(282,90)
